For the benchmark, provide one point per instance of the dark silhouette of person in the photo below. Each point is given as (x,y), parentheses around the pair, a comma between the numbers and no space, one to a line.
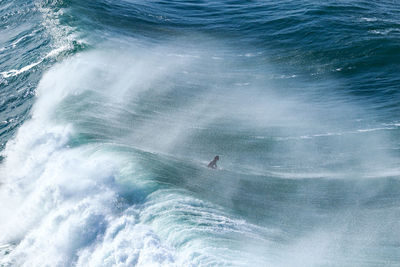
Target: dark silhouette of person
(213,163)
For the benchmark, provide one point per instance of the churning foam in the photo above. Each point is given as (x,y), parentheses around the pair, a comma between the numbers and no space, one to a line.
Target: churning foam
(61,205)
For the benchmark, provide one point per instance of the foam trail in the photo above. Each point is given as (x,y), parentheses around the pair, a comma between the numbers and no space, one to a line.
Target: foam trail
(11,73)
(16,72)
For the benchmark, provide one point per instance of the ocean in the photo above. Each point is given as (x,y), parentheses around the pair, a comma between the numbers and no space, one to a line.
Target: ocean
(110,112)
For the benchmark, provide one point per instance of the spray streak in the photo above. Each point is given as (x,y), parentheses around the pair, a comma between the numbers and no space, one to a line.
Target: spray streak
(114,169)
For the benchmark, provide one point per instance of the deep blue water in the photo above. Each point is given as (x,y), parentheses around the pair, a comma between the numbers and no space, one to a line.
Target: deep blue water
(111,110)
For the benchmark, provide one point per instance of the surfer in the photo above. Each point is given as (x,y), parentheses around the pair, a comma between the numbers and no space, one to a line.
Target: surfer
(213,163)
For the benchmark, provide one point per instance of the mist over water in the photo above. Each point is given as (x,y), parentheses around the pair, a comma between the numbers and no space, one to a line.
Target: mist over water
(111,111)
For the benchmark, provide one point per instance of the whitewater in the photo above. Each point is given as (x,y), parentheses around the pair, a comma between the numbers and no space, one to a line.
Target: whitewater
(110,112)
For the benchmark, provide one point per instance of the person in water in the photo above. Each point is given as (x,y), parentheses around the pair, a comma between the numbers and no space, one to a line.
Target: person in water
(213,163)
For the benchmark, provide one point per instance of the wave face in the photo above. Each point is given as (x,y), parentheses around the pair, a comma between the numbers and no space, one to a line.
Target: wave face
(111,110)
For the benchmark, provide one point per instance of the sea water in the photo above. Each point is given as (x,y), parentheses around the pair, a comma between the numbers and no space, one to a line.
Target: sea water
(111,110)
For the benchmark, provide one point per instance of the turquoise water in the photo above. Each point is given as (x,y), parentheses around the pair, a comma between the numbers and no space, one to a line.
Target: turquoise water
(111,110)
